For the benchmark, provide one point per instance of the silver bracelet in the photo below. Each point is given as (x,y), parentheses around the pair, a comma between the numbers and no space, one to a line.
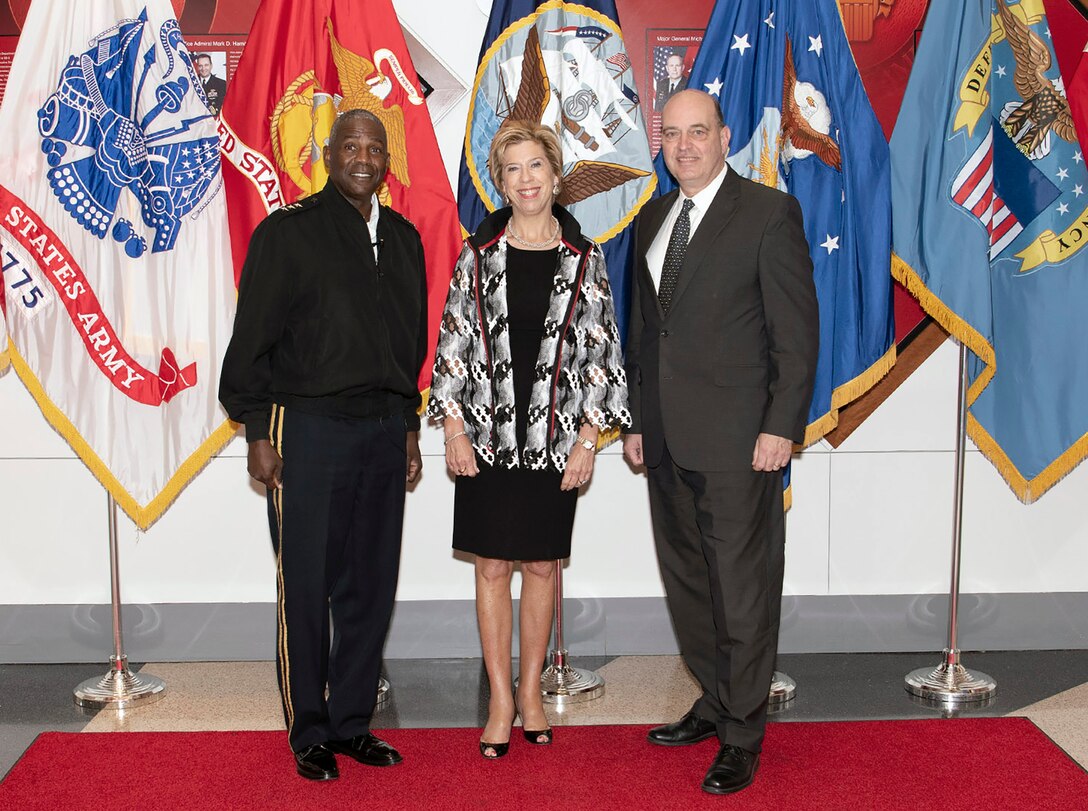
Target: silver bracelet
(452,437)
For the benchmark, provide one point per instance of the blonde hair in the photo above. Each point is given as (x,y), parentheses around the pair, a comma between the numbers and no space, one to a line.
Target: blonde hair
(517,132)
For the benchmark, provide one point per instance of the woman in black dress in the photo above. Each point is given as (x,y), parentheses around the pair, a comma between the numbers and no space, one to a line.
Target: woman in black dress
(528,371)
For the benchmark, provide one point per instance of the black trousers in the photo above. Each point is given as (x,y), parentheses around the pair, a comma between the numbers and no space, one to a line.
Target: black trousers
(720,539)
(336,530)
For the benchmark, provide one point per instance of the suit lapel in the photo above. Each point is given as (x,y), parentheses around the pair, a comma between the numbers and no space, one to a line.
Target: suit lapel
(721,210)
(647,232)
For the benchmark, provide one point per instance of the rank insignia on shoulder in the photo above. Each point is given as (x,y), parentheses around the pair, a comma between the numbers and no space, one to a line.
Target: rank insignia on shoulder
(401,216)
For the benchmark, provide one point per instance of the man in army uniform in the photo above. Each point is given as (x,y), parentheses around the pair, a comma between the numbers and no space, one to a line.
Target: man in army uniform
(329,338)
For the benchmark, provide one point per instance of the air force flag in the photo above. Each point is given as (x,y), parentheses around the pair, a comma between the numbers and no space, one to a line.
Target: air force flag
(801,121)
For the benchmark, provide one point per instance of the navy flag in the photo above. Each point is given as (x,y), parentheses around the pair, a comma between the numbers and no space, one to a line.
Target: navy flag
(991,209)
(564,65)
(800,119)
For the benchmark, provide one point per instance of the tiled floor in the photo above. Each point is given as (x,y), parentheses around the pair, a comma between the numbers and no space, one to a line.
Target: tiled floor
(1050,687)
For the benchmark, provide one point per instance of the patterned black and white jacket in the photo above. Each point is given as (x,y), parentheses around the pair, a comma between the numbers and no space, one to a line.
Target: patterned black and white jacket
(579,370)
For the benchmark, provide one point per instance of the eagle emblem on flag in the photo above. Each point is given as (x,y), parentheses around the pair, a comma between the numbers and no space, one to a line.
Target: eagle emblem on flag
(1044,108)
(303,117)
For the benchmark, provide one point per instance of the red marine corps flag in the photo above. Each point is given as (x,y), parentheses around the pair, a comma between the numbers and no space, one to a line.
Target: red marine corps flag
(302,64)
(113,243)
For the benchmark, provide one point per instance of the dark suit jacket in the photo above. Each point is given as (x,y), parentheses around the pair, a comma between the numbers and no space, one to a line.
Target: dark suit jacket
(661,91)
(736,355)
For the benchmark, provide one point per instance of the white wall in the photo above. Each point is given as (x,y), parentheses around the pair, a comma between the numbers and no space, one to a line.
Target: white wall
(872,517)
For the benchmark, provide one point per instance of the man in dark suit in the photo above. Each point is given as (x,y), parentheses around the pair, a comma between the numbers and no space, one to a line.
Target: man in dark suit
(721,359)
(672,82)
(215,89)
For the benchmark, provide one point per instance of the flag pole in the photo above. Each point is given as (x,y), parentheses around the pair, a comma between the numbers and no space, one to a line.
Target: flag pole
(384,692)
(783,689)
(120,688)
(560,683)
(950,683)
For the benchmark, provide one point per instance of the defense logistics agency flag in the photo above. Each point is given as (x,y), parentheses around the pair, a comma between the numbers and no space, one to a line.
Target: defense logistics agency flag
(115,258)
(800,120)
(991,215)
(564,65)
(304,62)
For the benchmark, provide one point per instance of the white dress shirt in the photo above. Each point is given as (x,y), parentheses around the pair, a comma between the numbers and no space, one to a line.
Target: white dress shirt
(372,224)
(655,256)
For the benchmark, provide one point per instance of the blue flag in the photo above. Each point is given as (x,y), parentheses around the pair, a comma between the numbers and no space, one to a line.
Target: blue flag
(564,65)
(800,120)
(991,212)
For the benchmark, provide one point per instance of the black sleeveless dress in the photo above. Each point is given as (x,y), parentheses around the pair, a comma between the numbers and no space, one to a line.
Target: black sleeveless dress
(518,514)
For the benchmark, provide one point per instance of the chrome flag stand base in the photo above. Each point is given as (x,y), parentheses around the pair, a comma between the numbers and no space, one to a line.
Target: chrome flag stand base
(384,693)
(783,689)
(120,688)
(950,684)
(560,683)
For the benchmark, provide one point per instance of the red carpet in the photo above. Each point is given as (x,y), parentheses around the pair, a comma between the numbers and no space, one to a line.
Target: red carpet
(983,763)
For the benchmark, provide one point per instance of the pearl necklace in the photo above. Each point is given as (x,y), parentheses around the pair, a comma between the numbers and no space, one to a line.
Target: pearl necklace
(555,235)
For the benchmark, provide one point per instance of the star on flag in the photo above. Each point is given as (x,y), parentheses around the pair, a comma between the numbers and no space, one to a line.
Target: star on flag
(831,243)
(714,88)
(816,44)
(740,44)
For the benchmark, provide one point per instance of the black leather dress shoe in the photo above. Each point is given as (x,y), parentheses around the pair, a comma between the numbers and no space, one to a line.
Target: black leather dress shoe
(367,749)
(689,729)
(733,769)
(316,762)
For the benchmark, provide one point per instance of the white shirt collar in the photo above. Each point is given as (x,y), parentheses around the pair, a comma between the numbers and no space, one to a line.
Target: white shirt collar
(703,198)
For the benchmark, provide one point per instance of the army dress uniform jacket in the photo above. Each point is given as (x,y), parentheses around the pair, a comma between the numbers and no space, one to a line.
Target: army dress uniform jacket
(579,370)
(321,326)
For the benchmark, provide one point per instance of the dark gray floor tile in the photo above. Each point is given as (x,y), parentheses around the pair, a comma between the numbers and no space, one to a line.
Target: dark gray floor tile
(857,686)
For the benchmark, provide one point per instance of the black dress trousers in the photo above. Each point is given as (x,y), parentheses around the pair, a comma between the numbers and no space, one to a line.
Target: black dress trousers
(720,540)
(336,529)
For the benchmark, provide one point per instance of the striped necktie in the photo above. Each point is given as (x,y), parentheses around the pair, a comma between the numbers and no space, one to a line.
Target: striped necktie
(674,256)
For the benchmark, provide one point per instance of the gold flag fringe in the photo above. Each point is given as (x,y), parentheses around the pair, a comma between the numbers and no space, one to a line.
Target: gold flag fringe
(143,515)
(847,393)
(1027,490)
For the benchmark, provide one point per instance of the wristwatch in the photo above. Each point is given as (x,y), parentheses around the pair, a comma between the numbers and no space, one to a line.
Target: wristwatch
(588,444)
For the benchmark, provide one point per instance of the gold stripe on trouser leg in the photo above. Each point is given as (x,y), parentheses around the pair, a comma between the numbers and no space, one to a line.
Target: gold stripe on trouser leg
(276,434)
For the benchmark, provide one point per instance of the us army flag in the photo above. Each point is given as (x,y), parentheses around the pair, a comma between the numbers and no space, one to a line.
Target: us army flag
(113,236)
(990,215)
(5,360)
